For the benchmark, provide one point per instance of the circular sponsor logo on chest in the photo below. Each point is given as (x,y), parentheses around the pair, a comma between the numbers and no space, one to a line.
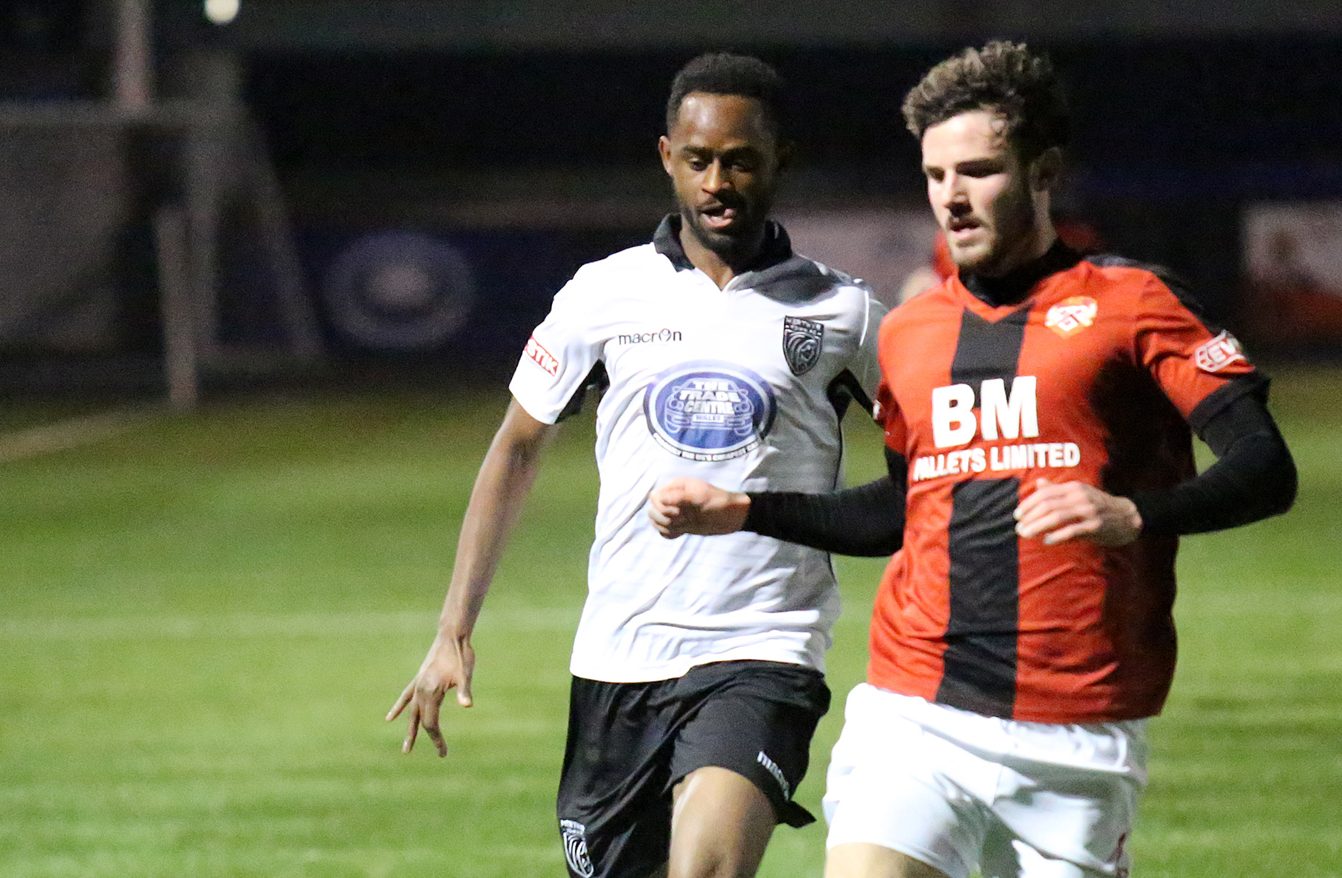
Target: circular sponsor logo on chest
(709,411)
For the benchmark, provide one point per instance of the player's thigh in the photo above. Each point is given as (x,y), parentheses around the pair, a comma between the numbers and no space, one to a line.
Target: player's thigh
(897,796)
(755,719)
(874,861)
(1015,859)
(1062,825)
(614,813)
(720,825)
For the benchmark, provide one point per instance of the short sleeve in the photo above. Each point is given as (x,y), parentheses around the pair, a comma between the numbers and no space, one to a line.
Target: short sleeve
(559,356)
(1193,362)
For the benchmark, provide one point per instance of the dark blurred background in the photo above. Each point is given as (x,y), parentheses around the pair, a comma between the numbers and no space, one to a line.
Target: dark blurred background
(210,193)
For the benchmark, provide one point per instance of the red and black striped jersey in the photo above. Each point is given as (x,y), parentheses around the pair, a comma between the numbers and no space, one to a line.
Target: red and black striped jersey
(1096,375)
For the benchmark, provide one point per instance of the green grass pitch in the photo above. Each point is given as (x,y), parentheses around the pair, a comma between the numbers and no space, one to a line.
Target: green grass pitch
(205,618)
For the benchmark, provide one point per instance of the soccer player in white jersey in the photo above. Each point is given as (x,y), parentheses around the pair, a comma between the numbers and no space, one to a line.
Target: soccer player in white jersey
(697,665)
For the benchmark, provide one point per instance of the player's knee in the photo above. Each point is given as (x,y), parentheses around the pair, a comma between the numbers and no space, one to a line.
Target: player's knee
(717,849)
(721,826)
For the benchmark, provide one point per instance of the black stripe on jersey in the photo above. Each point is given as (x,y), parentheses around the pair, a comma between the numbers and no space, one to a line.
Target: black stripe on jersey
(844,389)
(988,350)
(980,659)
(596,380)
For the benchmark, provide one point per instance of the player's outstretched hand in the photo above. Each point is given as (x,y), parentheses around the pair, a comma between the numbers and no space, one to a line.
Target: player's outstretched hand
(448,665)
(693,506)
(1058,512)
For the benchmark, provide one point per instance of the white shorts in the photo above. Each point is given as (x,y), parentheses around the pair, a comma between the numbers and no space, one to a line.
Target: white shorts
(960,791)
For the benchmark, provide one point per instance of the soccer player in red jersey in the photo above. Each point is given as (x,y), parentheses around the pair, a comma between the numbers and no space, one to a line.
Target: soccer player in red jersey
(1038,409)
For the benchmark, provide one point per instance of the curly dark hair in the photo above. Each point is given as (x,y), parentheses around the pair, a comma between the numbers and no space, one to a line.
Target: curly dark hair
(726,73)
(1003,77)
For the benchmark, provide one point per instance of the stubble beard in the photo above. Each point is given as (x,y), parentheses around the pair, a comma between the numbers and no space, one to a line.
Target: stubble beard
(1011,242)
(737,246)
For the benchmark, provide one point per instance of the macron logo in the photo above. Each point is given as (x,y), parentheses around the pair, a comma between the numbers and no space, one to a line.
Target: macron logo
(649,337)
(536,352)
(777,773)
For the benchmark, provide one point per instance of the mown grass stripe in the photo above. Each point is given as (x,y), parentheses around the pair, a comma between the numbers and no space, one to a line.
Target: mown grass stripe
(73,432)
(267,625)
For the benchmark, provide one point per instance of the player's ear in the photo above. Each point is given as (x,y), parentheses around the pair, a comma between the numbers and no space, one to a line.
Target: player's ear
(664,151)
(1046,169)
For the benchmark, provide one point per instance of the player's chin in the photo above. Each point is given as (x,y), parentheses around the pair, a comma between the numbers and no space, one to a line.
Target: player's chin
(971,257)
(720,237)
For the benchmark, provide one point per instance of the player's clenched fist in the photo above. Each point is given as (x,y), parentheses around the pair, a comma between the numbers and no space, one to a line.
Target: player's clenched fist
(693,506)
(1074,510)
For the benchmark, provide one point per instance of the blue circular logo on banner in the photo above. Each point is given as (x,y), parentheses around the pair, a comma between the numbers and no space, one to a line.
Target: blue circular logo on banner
(709,411)
(399,291)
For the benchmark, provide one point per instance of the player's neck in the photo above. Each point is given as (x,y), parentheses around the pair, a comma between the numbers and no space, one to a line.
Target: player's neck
(1026,253)
(1015,285)
(721,267)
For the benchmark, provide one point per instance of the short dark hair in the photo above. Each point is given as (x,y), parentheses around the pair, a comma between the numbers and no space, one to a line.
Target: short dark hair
(1004,78)
(726,73)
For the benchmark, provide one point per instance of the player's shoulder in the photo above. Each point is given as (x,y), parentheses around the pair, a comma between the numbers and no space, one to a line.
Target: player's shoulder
(826,280)
(1139,280)
(839,278)
(1134,271)
(930,300)
(638,258)
(613,273)
(936,306)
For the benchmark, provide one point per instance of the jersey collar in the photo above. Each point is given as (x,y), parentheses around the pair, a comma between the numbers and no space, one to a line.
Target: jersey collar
(777,245)
(1013,287)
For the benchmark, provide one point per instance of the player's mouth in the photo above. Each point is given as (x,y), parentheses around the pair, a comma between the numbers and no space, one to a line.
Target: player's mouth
(962,228)
(719,217)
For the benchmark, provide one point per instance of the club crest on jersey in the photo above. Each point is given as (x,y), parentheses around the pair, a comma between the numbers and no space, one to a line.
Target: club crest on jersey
(1071,315)
(575,848)
(709,410)
(801,343)
(1219,352)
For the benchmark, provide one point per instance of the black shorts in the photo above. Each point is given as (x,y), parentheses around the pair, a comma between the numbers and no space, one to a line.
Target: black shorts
(629,744)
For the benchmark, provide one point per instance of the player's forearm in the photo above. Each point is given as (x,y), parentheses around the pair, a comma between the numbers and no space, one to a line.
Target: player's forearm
(867,520)
(501,488)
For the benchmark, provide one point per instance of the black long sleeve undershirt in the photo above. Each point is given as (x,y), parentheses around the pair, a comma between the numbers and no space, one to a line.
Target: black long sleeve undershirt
(866,520)
(1254,477)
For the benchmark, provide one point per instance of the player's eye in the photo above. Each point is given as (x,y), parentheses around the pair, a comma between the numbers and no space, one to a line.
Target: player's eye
(981,170)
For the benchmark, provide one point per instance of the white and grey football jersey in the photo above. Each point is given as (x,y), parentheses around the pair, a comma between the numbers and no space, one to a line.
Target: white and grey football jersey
(743,387)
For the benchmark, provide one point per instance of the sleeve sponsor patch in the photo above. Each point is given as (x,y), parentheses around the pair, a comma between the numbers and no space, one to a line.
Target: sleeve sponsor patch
(1219,352)
(536,352)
